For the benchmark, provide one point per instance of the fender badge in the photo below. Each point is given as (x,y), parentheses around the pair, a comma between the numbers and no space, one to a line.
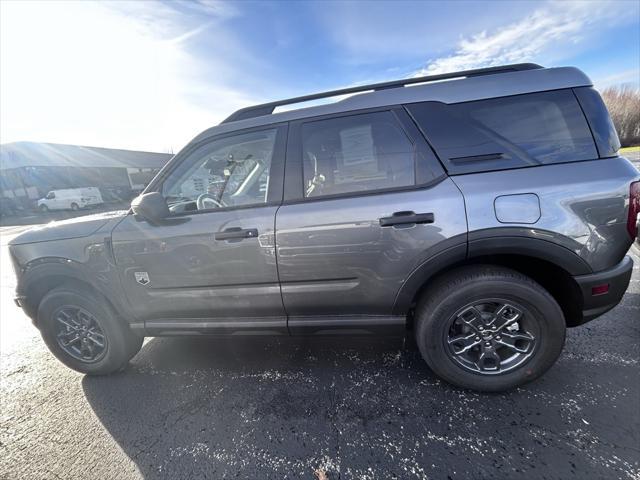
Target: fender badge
(142,277)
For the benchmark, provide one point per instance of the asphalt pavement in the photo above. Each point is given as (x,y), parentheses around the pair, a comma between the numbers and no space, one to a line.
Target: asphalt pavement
(365,408)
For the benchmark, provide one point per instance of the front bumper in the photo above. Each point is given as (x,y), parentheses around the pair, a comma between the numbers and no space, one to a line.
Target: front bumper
(616,279)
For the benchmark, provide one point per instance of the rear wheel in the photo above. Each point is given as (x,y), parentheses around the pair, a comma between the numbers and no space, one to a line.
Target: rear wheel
(83,333)
(489,328)
(75,207)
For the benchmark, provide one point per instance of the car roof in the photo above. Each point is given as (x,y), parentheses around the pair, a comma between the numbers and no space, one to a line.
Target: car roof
(458,88)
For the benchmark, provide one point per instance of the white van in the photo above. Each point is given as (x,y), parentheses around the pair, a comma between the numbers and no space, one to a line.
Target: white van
(70,199)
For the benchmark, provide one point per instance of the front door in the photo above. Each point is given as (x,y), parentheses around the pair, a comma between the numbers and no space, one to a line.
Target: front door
(366,203)
(211,266)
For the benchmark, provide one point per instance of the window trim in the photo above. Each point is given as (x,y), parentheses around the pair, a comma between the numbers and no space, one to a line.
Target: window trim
(276,169)
(294,175)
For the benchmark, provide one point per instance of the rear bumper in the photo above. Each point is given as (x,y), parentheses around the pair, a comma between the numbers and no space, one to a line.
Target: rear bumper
(616,278)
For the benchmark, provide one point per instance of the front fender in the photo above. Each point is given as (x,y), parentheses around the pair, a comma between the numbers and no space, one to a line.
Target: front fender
(41,275)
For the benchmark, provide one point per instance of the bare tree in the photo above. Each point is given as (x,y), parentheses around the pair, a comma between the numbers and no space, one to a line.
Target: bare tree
(623,102)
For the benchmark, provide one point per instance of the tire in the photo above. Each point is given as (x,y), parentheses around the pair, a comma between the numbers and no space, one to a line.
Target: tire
(74,307)
(75,207)
(134,344)
(469,304)
(44,209)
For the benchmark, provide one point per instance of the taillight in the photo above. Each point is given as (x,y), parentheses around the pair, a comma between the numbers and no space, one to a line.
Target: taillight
(634,209)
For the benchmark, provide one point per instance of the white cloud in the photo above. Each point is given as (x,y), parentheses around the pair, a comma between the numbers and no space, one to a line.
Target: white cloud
(630,77)
(369,32)
(551,31)
(113,74)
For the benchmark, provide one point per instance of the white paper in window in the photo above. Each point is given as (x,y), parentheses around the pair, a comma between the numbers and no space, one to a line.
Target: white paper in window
(357,145)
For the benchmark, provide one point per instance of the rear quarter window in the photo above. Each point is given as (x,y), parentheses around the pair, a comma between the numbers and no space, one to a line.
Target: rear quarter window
(508,132)
(600,122)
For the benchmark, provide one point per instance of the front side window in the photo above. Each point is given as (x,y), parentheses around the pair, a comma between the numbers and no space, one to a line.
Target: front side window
(355,154)
(228,172)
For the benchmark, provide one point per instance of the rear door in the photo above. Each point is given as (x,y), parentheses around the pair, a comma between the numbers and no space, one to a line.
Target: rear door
(366,203)
(211,266)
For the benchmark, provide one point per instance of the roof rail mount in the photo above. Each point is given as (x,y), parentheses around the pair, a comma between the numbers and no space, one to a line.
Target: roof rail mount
(268,108)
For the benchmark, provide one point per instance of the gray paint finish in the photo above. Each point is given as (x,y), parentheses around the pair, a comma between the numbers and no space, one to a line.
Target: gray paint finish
(518,208)
(583,205)
(67,229)
(193,276)
(334,258)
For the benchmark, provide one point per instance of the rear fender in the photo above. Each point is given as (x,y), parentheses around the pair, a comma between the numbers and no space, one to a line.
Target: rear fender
(528,243)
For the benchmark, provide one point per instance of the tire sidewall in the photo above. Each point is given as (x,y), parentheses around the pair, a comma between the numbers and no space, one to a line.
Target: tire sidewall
(540,305)
(117,353)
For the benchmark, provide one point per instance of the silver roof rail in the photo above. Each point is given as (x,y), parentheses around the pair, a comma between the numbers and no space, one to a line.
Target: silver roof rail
(268,108)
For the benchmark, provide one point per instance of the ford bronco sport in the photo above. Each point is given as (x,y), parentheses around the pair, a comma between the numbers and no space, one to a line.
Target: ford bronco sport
(485,211)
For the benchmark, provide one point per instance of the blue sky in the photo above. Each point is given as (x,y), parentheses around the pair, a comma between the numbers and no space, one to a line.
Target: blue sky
(151,75)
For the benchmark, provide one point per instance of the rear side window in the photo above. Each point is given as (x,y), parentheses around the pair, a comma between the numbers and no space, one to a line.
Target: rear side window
(355,154)
(601,125)
(507,132)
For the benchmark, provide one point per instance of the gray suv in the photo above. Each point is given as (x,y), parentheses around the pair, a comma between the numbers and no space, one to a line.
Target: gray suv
(484,211)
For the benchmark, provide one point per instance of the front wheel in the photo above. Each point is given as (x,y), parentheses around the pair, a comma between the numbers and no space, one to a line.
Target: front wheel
(489,328)
(83,333)
(75,207)
(44,208)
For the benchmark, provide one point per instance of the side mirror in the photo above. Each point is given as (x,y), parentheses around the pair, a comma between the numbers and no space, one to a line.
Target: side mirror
(150,206)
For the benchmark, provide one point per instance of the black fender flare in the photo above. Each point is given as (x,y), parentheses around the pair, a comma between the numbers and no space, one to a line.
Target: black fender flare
(551,247)
(495,241)
(61,267)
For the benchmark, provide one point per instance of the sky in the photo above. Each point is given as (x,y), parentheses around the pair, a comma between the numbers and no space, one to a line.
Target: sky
(150,75)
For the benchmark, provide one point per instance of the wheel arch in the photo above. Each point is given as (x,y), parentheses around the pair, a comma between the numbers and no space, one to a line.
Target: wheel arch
(47,274)
(551,265)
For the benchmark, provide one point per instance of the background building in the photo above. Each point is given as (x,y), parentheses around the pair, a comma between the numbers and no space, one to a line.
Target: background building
(29,170)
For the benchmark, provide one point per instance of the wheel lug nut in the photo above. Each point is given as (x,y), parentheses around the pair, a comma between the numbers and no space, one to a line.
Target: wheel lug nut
(477,338)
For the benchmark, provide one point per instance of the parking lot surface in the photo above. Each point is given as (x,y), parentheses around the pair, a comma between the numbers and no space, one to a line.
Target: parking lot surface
(285,407)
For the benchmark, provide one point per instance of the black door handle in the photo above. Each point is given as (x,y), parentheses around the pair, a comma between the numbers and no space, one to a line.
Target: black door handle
(236,233)
(405,218)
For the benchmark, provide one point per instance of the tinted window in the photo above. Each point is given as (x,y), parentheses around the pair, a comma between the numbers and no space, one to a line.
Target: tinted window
(601,125)
(356,153)
(509,132)
(228,172)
